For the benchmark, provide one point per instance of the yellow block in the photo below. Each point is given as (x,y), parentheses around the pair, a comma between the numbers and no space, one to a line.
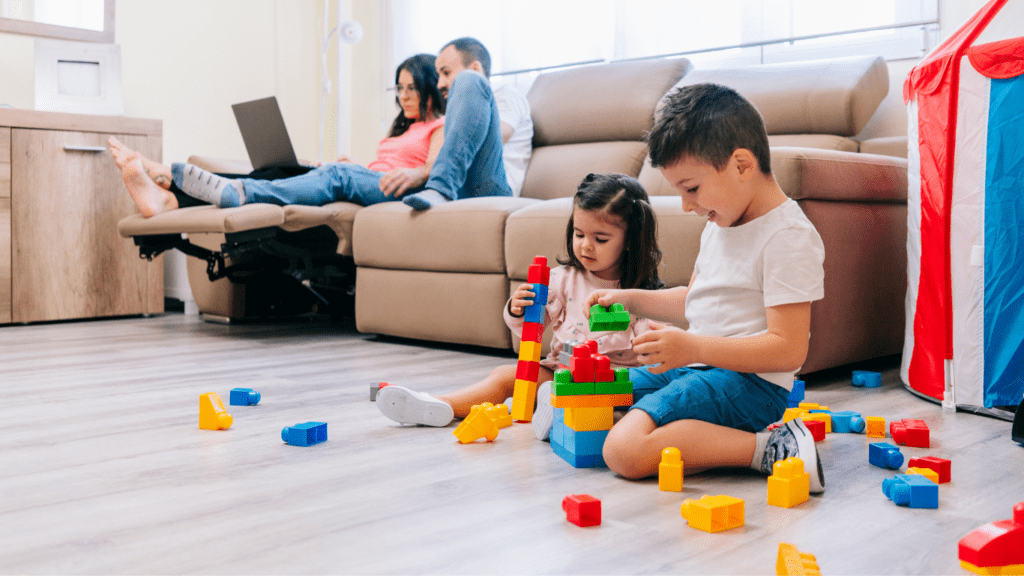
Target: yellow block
(212,414)
(826,418)
(875,427)
(524,396)
(713,513)
(793,414)
(530,351)
(926,472)
(475,426)
(789,484)
(792,562)
(590,401)
(670,471)
(590,419)
(993,570)
(499,414)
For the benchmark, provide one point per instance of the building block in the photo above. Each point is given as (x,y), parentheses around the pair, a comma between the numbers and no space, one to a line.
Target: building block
(586,443)
(926,472)
(578,460)
(619,385)
(476,426)
(817,429)
(538,272)
(582,510)
(912,490)
(811,406)
(524,398)
(529,351)
(535,312)
(243,397)
(613,318)
(792,562)
(212,414)
(565,355)
(595,401)
(589,419)
(940,466)
(558,427)
(532,332)
(874,427)
(563,385)
(912,433)
(793,413)
(796,395)
(821,417)
(789,485)
(528,371)
(670,471)
(866,379)
(498,414)
(581,365)
(847,422)
(885,455)
(603,369)
(375,388)
(306,434)
(996,547)
(713,513)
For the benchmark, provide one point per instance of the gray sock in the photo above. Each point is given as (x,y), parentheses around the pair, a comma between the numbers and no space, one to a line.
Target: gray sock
(207,186)
(425,199)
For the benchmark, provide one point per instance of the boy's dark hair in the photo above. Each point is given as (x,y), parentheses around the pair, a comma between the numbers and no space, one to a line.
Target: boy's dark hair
(708,122)
(472,49)
(623,196)
(424,76)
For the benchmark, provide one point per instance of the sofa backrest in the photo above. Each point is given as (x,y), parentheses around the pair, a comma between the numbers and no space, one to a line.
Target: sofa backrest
(593,119)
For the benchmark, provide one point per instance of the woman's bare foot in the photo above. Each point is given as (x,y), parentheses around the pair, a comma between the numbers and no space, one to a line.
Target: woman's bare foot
(149,198)
(156,171)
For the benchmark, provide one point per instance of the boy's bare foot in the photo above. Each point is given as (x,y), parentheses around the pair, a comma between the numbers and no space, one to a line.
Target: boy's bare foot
(149,198)
(157,172)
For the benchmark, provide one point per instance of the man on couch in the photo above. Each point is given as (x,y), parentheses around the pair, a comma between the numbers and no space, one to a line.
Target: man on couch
(488,133)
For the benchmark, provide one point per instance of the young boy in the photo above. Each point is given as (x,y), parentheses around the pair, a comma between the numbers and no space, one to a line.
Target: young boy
(710,389)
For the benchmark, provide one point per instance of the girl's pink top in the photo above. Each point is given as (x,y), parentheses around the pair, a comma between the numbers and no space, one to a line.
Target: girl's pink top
(408,150)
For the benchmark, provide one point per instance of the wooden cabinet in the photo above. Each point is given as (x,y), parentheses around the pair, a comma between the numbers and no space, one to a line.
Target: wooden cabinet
(61,196)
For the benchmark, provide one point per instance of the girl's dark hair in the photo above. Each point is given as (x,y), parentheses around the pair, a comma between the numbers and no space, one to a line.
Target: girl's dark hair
(623,196)
(424,76)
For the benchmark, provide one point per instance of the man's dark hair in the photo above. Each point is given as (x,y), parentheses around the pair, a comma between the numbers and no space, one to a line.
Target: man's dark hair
(708,122)
(472,49)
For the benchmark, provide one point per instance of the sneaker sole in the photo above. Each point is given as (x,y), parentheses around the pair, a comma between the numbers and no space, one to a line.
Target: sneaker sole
(402,406)
(544,415)
(807,447)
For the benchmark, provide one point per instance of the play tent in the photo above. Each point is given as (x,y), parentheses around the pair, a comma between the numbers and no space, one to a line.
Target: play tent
(965,299)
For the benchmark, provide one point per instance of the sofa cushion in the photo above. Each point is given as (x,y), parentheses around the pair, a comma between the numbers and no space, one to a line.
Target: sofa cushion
(822,141)
(203,219)
(600,103)
(556,171)
(886,145)
(836,96)
(461,236)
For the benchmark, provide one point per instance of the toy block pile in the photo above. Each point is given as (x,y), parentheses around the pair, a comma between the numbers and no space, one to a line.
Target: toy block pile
(524,395)
(584,398)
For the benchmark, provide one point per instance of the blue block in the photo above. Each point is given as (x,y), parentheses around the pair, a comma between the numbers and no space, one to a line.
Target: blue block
(306,434)
(535,312)
(578,461)
(848,422)
(558,426)
(244,397)
(867,379)
(585,443)
(912,490)
(796,395)
(885,455)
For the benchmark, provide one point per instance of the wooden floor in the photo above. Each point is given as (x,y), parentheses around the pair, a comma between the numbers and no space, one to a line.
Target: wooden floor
(104,470)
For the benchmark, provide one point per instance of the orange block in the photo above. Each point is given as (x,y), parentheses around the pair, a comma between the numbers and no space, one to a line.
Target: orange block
(591,401)
(212,414)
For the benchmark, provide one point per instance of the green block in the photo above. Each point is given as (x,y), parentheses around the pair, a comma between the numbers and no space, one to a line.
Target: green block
(563,375)
(621,385)
(604,319)
(573,389)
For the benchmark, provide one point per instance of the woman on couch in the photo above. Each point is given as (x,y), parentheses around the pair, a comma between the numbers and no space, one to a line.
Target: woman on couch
(403,163)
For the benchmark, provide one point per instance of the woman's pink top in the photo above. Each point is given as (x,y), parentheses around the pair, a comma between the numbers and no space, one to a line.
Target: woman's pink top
(408,150)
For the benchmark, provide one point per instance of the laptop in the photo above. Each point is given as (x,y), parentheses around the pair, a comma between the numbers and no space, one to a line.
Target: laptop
(265,136)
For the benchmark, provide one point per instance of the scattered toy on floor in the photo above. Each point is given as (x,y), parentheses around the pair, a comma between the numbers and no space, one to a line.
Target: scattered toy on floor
(789,485)
(670,471)
(885,455)
(243,397)
(476,426)
(912,491)
(582,510)
(996,547)
(792,562)
(941,466)
(912,433)
(713,513)
(867,379)
(306,434)
(212,414)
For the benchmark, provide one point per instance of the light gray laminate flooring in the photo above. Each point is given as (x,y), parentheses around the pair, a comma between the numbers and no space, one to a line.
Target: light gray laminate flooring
(103,469)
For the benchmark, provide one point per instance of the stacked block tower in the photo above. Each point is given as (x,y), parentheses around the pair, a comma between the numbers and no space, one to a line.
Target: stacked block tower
(524,394)
(584,398)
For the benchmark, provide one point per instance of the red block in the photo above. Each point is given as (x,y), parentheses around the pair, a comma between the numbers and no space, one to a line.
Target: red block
(582,364)
(582,510)
(940,466)
(817,428)
(603,369)
(538,273)
(532,332)
(996,544)
(527,371)
(913,433)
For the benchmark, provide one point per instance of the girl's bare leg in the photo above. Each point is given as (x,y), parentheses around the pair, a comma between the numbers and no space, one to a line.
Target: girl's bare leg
(634,445)
(495,388)
(156,171)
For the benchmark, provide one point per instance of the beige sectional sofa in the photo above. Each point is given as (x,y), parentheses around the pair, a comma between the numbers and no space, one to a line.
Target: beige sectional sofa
(444,274)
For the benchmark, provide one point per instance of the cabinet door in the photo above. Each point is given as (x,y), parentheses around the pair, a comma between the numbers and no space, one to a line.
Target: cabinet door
(68,261)
(5,225)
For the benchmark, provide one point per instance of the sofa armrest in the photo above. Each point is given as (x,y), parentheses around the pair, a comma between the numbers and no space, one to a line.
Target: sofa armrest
(814,174)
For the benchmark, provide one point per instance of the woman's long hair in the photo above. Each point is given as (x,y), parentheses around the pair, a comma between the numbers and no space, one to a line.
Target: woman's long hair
(424,76)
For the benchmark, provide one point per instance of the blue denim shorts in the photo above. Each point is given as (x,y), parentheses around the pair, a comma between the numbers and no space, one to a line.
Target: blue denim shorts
(737,400)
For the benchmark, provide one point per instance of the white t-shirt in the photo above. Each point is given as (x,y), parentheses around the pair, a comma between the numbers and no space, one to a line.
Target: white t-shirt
(772,260)
(514,110)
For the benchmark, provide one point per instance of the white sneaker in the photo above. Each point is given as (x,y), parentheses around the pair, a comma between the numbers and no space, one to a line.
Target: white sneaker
(794,439)
(544,414)
(407,407)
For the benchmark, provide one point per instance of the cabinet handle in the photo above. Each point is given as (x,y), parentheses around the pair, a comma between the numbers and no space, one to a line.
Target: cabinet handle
(71,148)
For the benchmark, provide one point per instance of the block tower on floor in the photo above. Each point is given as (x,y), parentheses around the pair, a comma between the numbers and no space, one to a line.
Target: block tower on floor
(524,394)
(584,398)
